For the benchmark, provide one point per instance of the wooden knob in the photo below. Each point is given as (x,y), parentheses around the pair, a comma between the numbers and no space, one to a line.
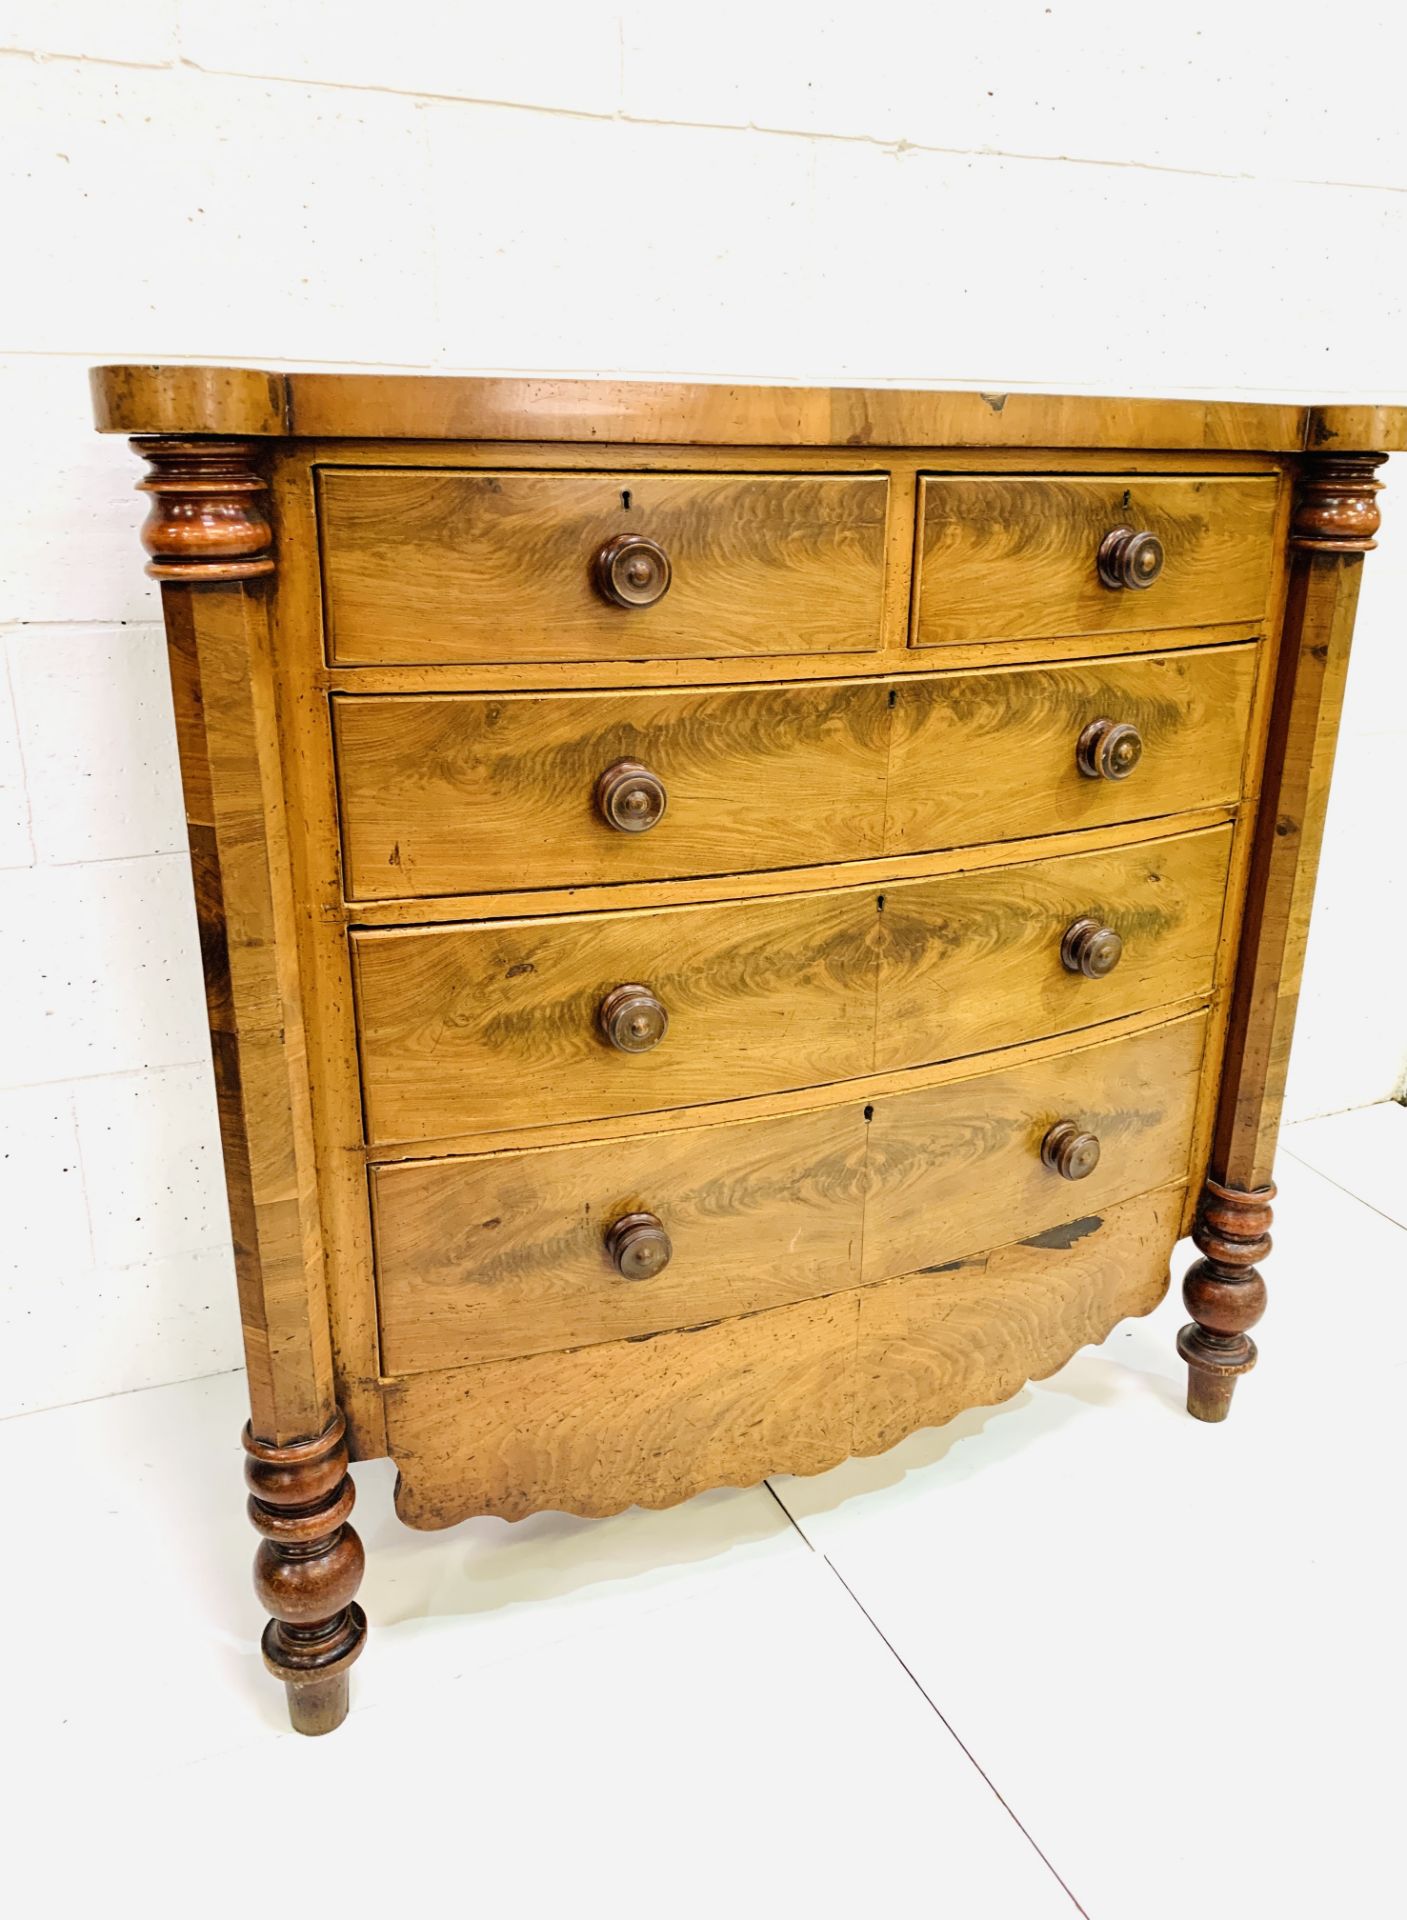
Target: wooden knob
(631,571)
(632,1019)
(639,1246)
(1069,1152)
(1087,947)
(630,798)
(1108,750)
(1129,558)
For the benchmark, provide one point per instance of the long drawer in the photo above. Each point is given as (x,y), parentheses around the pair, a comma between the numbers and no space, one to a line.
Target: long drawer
(438,565)
(496,1024)
(513,1253)
(1028,556)
(472,793)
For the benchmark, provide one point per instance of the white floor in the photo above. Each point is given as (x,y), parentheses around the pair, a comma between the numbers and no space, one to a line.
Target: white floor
(1079,1654)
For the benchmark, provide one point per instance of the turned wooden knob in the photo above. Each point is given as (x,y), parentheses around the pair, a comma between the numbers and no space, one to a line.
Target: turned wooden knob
(1068,1151)
(1108,749)
(1129,558)
(631,571)
(632,1019)
(630,798)
(639,1246)
(1087,947)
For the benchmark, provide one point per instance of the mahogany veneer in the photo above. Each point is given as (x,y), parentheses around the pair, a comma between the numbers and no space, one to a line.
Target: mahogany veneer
(738,922)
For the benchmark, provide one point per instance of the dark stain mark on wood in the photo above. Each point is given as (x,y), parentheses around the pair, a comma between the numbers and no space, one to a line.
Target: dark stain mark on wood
(1061,1239)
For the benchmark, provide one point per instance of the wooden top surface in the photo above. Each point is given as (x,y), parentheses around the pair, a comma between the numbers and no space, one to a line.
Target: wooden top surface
(372,406)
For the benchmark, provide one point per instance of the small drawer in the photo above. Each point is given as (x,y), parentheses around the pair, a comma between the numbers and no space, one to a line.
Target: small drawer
(507,1254)
(454,566)
(478,794)
(495,1024)
(1022,557)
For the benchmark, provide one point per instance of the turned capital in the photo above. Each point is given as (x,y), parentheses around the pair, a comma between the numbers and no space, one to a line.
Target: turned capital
(1336,506)
(207,522)
(1233,1225)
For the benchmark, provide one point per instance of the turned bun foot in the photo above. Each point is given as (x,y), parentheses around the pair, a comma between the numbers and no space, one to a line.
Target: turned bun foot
(1225,1295)
(307,1570)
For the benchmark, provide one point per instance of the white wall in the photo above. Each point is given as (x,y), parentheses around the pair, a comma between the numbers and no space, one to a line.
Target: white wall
(1208,198)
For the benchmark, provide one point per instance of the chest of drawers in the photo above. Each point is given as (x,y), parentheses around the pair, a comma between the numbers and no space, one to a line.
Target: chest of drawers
(738,923)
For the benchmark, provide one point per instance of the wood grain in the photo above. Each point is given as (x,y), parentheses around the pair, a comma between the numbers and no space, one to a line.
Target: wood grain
(497,566)
(947,1163)
(183,399)
(1015,557)
(972,960)
(496,1024)
(991,756)
(1299,764)
(491,1025)
(504,1254)
(218,645)
(794,1390)
(474,794)
(466,794)
(334,1071)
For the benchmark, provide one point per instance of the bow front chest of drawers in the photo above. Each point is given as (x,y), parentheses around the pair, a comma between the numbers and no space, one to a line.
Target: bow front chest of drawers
(737,923)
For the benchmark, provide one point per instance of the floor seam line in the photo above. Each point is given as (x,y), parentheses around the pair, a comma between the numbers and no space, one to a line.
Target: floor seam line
(810,1548)
(938,1713)
(1339,1187)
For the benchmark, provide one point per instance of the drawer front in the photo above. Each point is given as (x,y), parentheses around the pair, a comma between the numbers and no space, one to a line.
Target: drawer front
(510,566)
(978,960)
(510,1253)
(993,756)
(498,1024)
(478,794)
(1017,557)
(507,1253)
(651,1422)
(471,793)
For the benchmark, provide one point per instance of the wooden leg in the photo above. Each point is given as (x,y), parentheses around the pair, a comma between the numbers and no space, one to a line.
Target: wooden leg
(307,1570)
(1225,1295)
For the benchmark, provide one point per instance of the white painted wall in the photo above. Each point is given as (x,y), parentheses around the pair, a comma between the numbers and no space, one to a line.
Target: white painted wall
(1210,198)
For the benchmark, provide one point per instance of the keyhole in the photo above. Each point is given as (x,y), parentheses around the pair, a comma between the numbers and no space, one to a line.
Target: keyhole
(625,499)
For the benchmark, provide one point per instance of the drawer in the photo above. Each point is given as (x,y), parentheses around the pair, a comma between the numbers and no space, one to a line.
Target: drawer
(509,566)
(1017,557)
(993,756)
(512,1253)
(469,793)
(499,1024)
(650,1422)
(477,794)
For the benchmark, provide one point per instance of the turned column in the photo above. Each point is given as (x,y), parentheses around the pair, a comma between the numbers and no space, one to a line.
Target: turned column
(211,548)
(1333,525)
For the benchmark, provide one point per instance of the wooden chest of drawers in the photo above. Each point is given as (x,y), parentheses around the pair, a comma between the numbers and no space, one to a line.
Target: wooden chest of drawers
(738,923)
